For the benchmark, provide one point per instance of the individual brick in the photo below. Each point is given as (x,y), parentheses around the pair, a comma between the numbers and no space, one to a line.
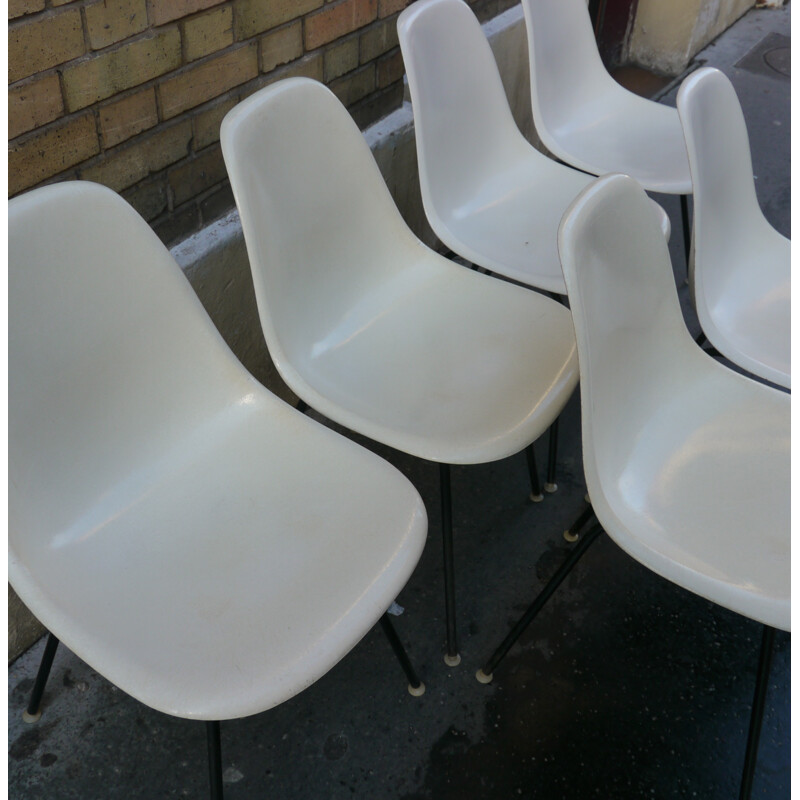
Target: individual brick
(390,68)
(310,66)
(388,7)
(125,118)
(33,104)
(341,58)
(111,72)
(355,86)
(162,11)
(110,21)
(143,157)
(337,20)
(18,8)
(281,46)
(207,33)
(207,122)
(208,80)
(378,40)
(256,16)
(149,199)
(51,151)
(191,178)
(36,45)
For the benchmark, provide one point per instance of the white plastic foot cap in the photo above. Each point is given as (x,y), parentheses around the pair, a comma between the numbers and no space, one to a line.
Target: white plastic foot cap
(31,718)
(416,691)
(571,537)
(550,487)
(452,661)
(536,498)
(483,677)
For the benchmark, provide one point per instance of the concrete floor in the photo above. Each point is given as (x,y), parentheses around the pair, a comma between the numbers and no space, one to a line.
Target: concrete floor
(624,687)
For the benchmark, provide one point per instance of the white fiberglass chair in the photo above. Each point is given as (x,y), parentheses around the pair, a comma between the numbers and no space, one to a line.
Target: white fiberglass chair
(585,118)
(365,323)
(740,270)
(488,194)
(198,542)
(670,436)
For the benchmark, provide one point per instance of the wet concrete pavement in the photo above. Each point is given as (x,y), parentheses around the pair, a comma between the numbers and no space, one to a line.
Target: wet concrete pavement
(624,687)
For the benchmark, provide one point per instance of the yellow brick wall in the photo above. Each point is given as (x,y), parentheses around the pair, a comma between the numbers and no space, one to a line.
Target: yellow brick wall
(131,93)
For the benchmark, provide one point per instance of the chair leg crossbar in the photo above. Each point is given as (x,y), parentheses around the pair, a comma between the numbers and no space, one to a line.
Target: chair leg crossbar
(484,675)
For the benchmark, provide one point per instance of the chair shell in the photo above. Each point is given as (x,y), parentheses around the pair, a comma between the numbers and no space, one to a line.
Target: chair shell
(686,461)
(363,321)
(197,541)
(488,194)
(741,266)
(584,117)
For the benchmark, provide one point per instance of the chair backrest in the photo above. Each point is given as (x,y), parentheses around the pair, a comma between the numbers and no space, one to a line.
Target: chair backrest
(566,69)
(727,216)
(464,128)
(321,228)
(111,355)
(634,350)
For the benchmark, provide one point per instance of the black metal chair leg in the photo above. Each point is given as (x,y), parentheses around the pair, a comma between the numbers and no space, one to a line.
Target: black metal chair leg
(452,658)
(415,686)
(214,759)
(34,710)
(757,713)
(687,230)
(302,406)
(552,456)
(573,532)
(484,675)
(536,489)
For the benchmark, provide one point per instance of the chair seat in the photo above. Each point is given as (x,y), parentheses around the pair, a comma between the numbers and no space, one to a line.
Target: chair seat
(510,226)
(686,472)
(620,132)
(443,363)
(232,573)
(750,324)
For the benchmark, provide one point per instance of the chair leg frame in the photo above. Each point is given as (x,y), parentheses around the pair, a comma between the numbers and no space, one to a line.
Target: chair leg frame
(757,712)
(687,229)
(452,658)
(572,533)
(34,710)
(552,457)
(484,675)
(536,495)
(214,759)
(415,686)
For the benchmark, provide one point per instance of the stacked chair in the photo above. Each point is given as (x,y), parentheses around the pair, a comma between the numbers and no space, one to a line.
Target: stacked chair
(167,511)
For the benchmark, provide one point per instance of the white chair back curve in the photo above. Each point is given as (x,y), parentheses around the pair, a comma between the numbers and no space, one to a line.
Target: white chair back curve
(316,213)
(633,343)
(465,130)
(566,69)
(134,368)
(729,225)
